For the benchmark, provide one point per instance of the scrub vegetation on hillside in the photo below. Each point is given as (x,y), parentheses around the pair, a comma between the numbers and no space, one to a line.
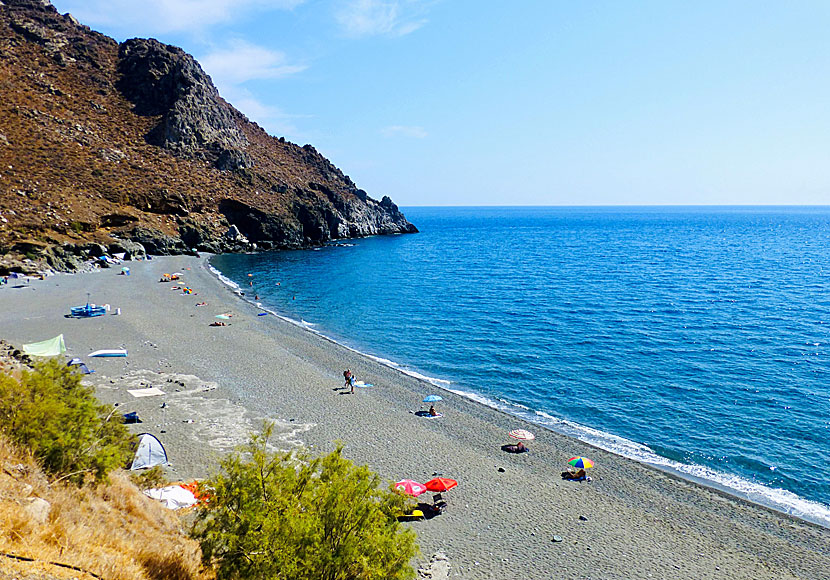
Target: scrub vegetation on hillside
(66,506)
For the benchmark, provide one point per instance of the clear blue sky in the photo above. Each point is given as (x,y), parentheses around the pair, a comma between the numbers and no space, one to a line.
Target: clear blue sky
(533,102)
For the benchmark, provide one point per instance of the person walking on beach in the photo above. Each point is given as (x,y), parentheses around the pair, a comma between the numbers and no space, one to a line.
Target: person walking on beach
(351,384)
(347,375)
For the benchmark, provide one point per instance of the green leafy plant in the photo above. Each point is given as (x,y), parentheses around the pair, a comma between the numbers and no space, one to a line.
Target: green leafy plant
(291,516)
(150,478)
(49,412)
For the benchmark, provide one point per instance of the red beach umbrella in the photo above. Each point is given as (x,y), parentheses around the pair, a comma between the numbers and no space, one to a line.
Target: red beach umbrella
(410,487)
(439,484)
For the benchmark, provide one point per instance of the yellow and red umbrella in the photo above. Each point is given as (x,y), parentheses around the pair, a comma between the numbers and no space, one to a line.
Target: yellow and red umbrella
(411,487)
(580,462)
(439,484)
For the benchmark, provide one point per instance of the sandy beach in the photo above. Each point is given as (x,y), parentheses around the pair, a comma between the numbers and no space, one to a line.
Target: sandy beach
(220,383)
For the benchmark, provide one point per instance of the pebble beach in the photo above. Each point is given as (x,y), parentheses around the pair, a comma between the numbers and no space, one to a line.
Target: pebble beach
(511,516)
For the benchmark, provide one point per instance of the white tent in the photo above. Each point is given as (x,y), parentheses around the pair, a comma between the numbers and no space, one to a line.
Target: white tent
(150,453)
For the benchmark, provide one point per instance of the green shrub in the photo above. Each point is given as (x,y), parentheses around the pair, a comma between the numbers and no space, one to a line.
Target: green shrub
(50,412)
(149,479)
(291,516)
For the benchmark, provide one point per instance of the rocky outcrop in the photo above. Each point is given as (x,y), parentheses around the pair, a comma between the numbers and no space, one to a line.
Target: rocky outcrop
(160,79)
(105,143)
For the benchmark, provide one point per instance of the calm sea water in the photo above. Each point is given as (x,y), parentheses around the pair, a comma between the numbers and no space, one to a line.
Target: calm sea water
(691,338)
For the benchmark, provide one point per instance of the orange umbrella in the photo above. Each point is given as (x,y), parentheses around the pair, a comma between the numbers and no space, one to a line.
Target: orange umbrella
(439,484)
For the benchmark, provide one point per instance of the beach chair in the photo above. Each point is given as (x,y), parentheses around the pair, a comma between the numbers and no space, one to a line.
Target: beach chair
(415,516)
(439,503)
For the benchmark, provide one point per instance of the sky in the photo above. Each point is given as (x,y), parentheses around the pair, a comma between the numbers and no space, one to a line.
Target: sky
(533,102)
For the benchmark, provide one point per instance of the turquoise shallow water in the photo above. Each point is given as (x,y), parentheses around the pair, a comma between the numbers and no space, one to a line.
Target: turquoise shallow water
(691,338)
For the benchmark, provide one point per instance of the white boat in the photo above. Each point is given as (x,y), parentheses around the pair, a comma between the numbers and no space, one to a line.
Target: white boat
(109,352)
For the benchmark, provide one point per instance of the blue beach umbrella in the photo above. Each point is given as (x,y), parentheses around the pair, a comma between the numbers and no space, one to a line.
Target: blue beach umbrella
(432,398)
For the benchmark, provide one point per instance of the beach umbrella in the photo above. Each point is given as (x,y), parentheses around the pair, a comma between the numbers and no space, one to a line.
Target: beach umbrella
(410,487)
(522,435)
(433,398)
(580,462)
(439,484)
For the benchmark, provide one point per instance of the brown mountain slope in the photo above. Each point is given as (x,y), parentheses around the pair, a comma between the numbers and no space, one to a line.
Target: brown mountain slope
(109,143)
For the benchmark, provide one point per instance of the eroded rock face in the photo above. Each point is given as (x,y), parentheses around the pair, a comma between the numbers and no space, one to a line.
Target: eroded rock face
(164,80)
(105,143)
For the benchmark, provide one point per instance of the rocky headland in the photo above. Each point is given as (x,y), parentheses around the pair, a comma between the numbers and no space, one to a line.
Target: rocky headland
(108,147)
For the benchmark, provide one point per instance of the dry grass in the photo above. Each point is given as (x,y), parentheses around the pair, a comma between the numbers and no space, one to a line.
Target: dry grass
(113,530)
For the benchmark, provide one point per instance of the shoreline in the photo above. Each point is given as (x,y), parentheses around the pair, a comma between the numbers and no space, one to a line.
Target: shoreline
(715,480)
(640,520)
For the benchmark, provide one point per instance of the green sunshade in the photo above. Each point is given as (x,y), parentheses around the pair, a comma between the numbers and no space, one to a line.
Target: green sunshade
(51,347)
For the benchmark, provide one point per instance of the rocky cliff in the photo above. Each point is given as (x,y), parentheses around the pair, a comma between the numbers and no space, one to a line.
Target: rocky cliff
(106,146)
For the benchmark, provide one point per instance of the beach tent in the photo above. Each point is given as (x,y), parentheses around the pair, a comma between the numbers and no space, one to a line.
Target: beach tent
(150,453)
(51,347)
(76,362)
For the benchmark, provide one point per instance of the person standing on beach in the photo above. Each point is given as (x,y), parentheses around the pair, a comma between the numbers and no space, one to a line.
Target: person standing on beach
(347,374)
(351,384)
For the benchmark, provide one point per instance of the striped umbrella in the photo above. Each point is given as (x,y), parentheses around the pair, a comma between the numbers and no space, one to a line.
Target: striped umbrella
(522,435)
(410,487)
(580,462)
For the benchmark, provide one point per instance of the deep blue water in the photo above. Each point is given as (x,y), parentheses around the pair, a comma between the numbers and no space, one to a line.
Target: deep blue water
(692,338)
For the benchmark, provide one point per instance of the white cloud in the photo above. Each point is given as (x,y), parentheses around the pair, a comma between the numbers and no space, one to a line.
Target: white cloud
(273,119)
(244,61)
(360,18)
(230,68)
(149,17)
(404,131)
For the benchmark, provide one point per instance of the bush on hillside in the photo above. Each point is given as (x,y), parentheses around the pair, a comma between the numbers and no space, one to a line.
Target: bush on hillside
(284,515)
(49,412)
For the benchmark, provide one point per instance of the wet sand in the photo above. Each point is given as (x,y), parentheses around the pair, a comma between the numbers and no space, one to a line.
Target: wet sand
(220,383)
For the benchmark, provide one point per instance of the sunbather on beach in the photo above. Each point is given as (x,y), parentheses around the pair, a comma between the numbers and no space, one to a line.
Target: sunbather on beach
(432,411)
(578,474)
(517,448)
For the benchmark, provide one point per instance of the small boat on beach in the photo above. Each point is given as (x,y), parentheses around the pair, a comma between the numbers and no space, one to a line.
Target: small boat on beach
(87,311)
(109,352)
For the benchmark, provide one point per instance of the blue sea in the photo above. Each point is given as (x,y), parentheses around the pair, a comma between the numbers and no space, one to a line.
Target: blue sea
(691,338)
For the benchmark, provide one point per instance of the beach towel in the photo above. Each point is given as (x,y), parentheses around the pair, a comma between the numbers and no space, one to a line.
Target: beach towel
(51,347)
(151,392)
(426,415)
(174,497)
